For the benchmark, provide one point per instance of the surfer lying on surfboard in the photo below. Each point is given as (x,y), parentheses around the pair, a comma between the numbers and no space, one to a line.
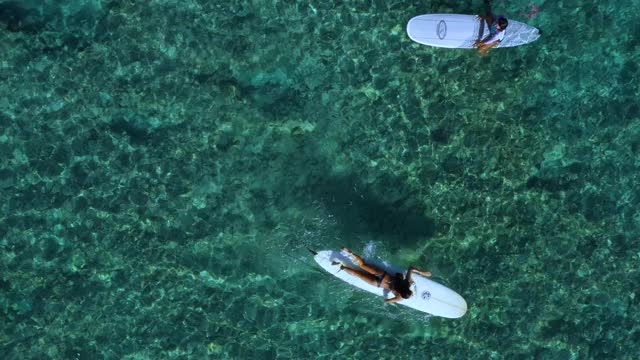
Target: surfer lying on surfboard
(397,284)
(497,26)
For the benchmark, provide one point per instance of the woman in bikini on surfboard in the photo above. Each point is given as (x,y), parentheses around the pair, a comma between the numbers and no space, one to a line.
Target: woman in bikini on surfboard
(397,284)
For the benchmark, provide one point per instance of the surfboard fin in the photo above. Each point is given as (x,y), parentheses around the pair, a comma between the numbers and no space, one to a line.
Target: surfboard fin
(312,252)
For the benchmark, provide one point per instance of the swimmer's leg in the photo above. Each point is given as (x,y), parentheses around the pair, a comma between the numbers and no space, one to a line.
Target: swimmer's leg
(484,48)
(368,278)
(364,266)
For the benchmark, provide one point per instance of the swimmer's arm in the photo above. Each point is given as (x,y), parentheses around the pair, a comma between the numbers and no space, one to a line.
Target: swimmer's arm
(394,299)
(488,19)
(417,271)
(492,40)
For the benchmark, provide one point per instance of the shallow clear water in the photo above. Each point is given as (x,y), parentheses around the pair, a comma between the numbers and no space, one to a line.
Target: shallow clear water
(164,165)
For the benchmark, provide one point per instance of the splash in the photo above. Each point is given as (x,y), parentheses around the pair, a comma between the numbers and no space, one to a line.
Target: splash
(369,249)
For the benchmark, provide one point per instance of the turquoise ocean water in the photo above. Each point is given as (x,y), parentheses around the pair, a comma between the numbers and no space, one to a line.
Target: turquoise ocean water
(164,164)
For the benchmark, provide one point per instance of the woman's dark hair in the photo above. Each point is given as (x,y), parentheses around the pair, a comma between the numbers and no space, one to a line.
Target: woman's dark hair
(503,22)
(402,286)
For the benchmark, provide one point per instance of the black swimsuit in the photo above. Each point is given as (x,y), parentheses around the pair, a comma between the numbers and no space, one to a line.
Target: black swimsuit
(381,278)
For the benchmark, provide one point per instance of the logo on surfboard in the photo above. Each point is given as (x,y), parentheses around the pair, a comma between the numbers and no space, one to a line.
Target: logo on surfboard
(426,295)
(441,29)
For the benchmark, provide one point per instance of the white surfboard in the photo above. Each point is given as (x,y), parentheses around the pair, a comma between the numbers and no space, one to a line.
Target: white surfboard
(429,296)
(461,31)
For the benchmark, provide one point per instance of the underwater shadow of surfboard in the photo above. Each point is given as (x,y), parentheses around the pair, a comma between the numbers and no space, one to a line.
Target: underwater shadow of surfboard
(385,207)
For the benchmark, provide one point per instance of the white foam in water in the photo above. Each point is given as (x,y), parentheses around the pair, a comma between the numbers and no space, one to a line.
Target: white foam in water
(369,249)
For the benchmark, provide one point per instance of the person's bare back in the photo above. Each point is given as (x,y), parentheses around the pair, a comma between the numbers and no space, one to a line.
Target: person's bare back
(397,283)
